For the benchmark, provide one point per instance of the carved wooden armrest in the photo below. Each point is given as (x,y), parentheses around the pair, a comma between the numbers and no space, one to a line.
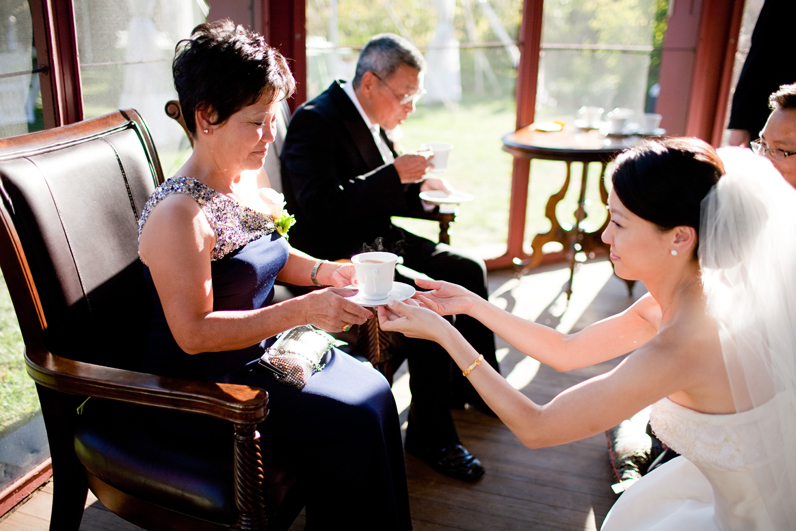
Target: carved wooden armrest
(243,406)
(238,404)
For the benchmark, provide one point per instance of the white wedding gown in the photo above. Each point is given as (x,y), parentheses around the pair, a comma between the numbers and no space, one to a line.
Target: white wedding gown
(712,484)
(736,471)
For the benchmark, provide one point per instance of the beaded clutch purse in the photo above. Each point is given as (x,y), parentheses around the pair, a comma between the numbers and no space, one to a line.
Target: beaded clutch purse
(298,354)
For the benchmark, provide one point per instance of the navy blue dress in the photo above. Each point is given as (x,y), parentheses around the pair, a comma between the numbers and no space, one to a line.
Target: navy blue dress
(341,431)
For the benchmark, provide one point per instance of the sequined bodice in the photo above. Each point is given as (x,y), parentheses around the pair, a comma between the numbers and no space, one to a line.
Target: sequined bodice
(235,225)
(248,255)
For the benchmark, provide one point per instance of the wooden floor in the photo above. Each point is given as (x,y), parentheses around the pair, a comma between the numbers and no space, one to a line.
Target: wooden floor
(567,487)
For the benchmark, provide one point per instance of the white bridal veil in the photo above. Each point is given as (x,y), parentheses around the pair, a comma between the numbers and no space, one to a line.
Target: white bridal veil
(747,251)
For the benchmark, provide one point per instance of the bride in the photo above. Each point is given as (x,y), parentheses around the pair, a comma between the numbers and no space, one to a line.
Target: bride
(713,341)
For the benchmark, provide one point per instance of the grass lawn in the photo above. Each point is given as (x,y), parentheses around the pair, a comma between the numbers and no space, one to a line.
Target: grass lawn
(479,166)
(18,399)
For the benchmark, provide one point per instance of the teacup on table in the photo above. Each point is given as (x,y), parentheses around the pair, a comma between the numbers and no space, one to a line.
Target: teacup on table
(375,273)
(618,120)
(649,123)
(589,117)
(442,151)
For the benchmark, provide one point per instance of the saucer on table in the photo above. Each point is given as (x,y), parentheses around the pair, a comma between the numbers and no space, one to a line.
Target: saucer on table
(658,131)
(399,292)
(442,198)
(627,131)
(583,124)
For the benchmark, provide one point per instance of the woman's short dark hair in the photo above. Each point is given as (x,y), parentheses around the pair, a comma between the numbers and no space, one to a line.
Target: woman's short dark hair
(224,68)
(664,181)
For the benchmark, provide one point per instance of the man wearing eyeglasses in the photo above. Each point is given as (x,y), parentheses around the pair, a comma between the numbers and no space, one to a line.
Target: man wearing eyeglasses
(778,138)
(343,179)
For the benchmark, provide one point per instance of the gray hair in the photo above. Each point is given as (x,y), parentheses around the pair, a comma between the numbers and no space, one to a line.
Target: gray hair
(384,54)
(784,98)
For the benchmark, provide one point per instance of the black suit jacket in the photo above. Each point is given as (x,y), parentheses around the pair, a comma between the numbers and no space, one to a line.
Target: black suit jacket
(335,180)
(770,63)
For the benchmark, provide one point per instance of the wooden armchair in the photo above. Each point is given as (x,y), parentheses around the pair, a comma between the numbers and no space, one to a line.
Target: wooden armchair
(70,199)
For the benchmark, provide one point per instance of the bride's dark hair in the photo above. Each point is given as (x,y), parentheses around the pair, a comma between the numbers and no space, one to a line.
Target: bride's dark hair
(664,181)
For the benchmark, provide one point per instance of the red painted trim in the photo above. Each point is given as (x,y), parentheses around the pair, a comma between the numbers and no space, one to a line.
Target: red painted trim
(23,487)
(723,99)
(530,44)
(677,65)
(284,27)
(709,66)
(56,47)
(41,32)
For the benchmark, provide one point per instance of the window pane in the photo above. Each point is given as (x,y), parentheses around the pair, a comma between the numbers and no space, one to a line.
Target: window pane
(126,50)
(596,53)
(602,53)
(470,46)
(20,95)
(23,441)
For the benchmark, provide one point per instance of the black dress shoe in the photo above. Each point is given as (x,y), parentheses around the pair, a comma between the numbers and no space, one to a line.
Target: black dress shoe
(453,461)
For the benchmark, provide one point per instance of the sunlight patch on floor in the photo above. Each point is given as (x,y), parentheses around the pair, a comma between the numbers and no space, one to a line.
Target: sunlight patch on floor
(589,281)
(530,297)
(400,390)
(523,373)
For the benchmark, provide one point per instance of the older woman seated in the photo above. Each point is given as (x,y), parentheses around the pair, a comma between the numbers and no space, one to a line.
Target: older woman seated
(212,251)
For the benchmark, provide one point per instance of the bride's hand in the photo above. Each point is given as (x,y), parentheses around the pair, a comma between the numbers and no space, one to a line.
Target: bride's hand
(444,298)
(411,320)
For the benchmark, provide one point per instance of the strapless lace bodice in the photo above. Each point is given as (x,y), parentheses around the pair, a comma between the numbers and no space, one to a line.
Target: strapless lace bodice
(725,441)
(731,455)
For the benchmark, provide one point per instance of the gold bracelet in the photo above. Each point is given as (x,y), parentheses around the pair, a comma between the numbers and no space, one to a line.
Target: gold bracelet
(314,274)
(475,364)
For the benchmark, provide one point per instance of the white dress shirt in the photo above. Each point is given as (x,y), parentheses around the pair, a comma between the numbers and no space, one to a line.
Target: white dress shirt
(375,130)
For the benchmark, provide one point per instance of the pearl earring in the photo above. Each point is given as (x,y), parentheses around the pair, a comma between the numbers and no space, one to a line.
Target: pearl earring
(674,252)
(206,131)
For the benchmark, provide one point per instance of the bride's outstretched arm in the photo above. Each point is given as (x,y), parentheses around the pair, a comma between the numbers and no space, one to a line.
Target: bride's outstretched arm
(596,343)
(581,411)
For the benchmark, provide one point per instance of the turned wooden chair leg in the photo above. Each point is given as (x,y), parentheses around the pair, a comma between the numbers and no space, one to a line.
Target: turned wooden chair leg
(70,485)
(375,342)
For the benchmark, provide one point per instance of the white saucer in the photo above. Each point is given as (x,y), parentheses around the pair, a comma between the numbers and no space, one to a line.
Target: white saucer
(655,132)
(582,124)
(625,132)
(399,292)
(441,198)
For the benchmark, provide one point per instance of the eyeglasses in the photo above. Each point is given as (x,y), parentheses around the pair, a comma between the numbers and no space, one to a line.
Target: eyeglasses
(761,148)
(406,98)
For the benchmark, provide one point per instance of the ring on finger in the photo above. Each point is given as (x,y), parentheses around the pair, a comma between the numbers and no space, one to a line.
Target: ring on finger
(346,328)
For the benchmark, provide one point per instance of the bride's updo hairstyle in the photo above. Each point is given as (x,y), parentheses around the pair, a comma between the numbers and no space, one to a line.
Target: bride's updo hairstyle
(664,181)
(224,68)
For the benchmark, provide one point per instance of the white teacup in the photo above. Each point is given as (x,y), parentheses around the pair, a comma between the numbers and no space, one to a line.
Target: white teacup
(442,151)
(375,273)
(590,116)
(650,122)
(618,120)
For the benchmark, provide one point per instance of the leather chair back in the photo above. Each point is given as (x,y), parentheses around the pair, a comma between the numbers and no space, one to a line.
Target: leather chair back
(70,200)
(78,239)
